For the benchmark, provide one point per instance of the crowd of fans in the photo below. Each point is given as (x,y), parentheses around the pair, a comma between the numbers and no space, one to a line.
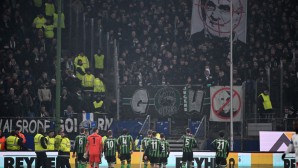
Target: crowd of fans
(156,48)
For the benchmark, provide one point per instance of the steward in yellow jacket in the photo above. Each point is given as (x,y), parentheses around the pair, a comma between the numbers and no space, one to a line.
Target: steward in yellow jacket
(80,70)
(50,139)
(84,59)
(13,143)
(88,80)
(64,151)
(40,149)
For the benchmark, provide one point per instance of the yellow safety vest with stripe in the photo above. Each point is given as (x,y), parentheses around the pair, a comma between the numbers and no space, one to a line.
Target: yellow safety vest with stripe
(12,143)
(49,9)
(65,145)
(55,20)
(49,31)
(84,59)
(97,104)
(37,142)
(58,139)
(50,143)
(266,101)
(99,61)
(88,80)
(39,22)
(98,86)
(78,75)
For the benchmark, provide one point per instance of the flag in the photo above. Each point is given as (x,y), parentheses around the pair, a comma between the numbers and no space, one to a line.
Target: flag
(213,18)
(221,102)
(88,116)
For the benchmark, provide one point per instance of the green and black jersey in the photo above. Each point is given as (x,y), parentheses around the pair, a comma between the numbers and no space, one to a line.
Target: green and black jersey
(145,142)
(189,142)
(125,143)
(154,148)
(80,143)
(110,147)
(165,148)
(222,147)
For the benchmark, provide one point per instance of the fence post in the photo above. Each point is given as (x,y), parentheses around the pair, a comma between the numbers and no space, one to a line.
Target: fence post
(116,70)
(70,27)
(281,87)
(255,102)
(84,33)
(170,125)
(77,31)
(92,46)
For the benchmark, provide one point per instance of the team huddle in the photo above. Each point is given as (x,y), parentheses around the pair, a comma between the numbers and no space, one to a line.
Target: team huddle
(156,150)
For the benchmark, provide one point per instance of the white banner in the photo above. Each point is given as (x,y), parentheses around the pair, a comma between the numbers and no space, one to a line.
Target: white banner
(212,17)
(220,98)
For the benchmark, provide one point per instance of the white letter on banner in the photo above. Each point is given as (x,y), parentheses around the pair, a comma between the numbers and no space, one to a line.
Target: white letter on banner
(108,123)
(25,126)
(101,123)
(32,122)
(6,126)
(68,125)
(19,124)
(75,125)
(39,125)
(46,125)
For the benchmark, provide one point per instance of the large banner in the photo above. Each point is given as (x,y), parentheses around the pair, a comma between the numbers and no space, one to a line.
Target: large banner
(201,160)
(212,18)
(161,100)
(221,102)
(71,126)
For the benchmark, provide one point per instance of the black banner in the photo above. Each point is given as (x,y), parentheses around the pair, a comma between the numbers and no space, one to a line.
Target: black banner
(71,126)
(161,100)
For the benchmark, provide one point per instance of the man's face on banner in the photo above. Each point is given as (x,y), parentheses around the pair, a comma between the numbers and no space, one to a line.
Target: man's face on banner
(217,16)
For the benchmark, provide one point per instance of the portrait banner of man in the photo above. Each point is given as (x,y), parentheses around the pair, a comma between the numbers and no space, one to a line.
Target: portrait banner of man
(213,19)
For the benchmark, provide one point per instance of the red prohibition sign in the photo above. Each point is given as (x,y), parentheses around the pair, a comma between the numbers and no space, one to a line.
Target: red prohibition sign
(218,112)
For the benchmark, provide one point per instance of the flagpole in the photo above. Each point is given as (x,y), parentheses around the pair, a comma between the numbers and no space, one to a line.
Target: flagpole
(231,77)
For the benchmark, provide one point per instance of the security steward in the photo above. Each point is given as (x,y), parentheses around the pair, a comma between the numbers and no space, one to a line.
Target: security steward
(99,87)
(99,62)
(264,104)
(64,151)
(98,104)
(80,70)
(40,149)
(50,141)
(13,143)
(88,80)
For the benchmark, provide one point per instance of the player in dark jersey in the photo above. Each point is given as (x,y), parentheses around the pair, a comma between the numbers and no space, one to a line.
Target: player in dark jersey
(153,151)
(189,142)
(79,149)
(165,152)
(110,149)
(126,147)
(222,148)
(144,146)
